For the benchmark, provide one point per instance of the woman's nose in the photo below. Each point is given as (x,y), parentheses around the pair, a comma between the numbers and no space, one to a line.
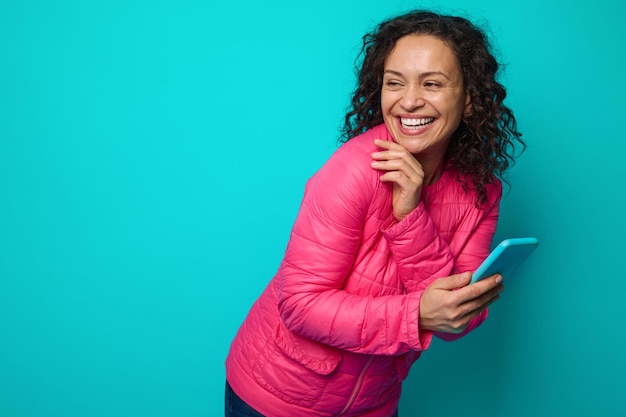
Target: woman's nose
(412,98)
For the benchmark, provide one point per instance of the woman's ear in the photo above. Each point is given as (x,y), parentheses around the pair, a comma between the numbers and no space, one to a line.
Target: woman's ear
(468,105)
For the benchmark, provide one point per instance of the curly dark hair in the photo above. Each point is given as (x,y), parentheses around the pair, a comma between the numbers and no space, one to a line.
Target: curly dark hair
(483,146)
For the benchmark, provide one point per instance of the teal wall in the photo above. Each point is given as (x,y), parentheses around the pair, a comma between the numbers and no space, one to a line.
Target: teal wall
(145,203)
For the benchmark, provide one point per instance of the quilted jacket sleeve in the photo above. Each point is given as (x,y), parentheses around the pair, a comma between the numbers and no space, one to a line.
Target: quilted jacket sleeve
(320,255)
(478,245)
(476,249)
(420,253)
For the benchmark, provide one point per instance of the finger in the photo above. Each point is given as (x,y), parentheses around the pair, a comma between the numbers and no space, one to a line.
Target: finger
(393,164)
(398,160)
(395,155)
(480,303)
(497,278)
(454,281)
(401,170)
(397,151)
(390,146)
(410,169)
(401,161)
(397,177)
(479,288)
(476,311)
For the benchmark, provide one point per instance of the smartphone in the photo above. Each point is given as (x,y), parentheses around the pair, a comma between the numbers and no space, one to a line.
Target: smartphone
(505,258)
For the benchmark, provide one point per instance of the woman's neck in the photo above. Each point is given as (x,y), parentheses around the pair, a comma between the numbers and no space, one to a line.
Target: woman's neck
(432,169)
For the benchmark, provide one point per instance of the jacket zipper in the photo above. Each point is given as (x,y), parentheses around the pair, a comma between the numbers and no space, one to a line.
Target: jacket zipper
(357,387)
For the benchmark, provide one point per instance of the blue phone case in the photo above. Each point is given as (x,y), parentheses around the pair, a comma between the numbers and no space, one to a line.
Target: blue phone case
(505,258)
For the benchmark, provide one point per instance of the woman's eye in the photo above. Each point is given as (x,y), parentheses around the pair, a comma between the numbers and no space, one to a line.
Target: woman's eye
(392,83)
(432,84)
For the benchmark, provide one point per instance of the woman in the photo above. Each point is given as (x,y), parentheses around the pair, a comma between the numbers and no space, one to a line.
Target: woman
(388,233)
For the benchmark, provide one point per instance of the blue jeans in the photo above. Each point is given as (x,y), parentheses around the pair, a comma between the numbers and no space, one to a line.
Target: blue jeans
(236,407)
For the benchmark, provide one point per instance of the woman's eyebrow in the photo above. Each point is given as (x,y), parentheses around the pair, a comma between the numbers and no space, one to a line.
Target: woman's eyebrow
(392,72)
(422,75)
(431,73)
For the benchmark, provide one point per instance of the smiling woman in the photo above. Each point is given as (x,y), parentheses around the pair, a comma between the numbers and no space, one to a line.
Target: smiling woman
(423,99)
(389,231)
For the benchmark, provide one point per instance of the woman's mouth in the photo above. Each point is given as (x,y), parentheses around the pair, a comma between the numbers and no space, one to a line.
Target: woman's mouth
(416,123)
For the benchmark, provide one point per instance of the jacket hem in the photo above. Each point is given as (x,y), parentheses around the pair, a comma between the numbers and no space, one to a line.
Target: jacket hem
(269,405)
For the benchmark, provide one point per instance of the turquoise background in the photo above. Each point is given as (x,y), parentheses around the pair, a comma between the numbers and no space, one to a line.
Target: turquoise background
(152,160)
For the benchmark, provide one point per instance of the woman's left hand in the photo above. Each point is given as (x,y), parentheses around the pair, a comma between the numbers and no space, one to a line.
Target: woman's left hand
(404,171)
(449,303)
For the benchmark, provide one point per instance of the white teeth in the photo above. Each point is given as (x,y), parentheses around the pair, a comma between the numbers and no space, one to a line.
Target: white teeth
(423,121)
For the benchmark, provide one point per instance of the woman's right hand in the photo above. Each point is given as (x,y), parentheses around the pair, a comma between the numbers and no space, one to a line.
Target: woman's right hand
(448,304)
(404,171)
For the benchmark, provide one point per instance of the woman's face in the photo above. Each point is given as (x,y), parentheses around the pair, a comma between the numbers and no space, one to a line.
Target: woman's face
(423,97)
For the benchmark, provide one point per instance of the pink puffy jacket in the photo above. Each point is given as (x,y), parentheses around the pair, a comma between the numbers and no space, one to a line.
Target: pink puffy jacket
(336,330)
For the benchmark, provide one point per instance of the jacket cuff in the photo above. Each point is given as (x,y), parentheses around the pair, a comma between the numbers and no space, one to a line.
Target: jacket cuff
(420,339)
(393,228)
